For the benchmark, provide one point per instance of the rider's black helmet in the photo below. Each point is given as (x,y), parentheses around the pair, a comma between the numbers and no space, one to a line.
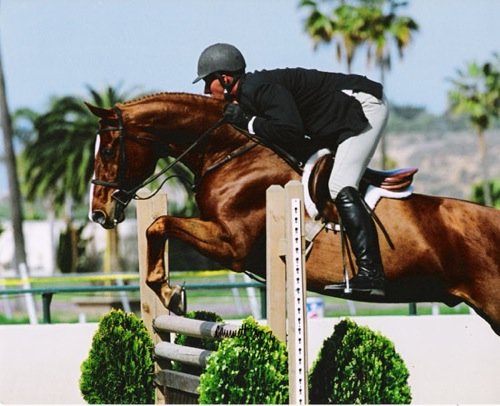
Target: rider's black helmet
(219,58)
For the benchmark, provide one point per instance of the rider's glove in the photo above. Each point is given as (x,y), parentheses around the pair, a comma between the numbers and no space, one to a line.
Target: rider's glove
(233,114)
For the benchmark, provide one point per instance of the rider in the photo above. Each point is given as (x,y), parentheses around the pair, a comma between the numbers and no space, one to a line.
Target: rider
(304,110)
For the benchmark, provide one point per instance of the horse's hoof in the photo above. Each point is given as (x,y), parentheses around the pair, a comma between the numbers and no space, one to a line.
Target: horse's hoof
(177,303)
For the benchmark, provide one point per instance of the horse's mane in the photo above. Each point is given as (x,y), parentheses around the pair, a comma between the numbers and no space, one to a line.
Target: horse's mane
(159,96)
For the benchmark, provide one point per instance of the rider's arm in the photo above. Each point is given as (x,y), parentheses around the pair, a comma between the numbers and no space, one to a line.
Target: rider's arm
(277,118)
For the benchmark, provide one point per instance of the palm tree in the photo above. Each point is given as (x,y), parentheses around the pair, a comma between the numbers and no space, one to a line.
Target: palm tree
(14,189)
(58,159)
(343,28)
(59,154)
(476,94)
(362,23)
(382,29)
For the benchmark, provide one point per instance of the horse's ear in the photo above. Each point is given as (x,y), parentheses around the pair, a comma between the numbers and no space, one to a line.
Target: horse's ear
(100,112)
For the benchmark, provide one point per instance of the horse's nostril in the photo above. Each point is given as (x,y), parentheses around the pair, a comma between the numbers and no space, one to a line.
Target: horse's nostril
(98,217)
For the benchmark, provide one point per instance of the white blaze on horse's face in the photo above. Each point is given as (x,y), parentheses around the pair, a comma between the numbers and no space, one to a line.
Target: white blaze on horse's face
(91,193)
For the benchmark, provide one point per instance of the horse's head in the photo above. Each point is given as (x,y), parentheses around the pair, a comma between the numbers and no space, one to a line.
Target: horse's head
(134,135)
(123,160)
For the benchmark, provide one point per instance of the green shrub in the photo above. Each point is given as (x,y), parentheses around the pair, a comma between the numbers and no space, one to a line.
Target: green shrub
(120,366)
(204,343)
(477,194)
(358,366)
(250,368)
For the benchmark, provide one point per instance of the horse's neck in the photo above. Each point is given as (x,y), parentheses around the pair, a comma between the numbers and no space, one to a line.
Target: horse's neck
(185,118)
(175,113)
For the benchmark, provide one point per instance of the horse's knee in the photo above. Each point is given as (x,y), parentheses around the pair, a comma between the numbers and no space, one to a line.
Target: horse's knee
(157,229)
(171,297)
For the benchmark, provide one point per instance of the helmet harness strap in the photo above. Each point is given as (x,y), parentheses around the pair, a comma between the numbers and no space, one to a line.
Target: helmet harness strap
(228,87)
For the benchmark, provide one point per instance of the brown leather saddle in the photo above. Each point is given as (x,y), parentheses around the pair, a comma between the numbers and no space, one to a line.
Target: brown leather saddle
(395,180)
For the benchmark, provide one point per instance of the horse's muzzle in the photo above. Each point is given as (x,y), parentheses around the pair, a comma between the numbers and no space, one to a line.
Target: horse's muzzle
(104,221)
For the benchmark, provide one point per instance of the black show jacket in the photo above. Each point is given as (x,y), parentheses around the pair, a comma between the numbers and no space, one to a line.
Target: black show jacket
(303,110)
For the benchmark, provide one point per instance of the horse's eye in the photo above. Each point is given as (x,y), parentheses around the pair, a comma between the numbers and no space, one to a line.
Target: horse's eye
(107,153)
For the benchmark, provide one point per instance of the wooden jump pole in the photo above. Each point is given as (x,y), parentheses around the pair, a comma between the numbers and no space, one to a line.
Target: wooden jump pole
(193,328)
(182,387)
(286,282)
(275,264)
(151,307)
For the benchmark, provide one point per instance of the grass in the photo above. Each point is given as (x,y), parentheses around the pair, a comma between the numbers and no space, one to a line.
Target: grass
(17,319)
(229,304)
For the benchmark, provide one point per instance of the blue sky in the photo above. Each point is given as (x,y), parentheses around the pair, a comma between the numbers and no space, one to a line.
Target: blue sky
(56,47)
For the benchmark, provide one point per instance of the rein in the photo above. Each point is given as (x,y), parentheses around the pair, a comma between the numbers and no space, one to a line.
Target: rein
(132,192)
(123,196)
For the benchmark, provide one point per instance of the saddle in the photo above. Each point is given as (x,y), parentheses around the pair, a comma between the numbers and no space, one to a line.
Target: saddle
(316,171)
(374,184)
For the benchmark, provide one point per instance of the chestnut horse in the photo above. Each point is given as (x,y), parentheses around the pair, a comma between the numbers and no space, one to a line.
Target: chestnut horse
(443,250)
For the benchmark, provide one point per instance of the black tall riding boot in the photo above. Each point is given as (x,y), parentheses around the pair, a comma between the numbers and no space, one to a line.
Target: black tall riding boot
(362,235)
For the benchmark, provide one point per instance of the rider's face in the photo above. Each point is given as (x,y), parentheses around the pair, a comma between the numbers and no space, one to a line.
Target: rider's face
(215,88)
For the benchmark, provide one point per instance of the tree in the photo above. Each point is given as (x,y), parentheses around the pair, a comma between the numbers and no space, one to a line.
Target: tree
(356,23)
(344,28)
(477,194)
(384,28)
(476,94)
(14,189)
(59,156)
(120,366)
(59,151)
(373,24)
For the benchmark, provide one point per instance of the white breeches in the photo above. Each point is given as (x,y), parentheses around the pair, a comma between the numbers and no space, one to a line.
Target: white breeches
(354,154)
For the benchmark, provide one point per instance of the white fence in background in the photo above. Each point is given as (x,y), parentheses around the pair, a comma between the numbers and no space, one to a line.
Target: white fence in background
(451,359)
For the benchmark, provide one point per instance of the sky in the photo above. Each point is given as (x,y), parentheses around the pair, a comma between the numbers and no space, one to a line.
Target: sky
(57,47)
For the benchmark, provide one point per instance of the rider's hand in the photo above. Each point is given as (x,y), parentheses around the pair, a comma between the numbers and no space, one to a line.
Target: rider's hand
(233,114)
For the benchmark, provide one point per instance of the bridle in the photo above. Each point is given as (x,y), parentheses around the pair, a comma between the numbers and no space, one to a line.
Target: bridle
(122,195)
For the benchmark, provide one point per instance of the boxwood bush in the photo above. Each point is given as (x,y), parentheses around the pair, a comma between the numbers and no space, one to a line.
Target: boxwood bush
(358,366)
(120,366)
(250,368)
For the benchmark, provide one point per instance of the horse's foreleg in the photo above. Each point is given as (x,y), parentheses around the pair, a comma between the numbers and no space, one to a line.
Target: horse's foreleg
(207,237)
(156,277)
